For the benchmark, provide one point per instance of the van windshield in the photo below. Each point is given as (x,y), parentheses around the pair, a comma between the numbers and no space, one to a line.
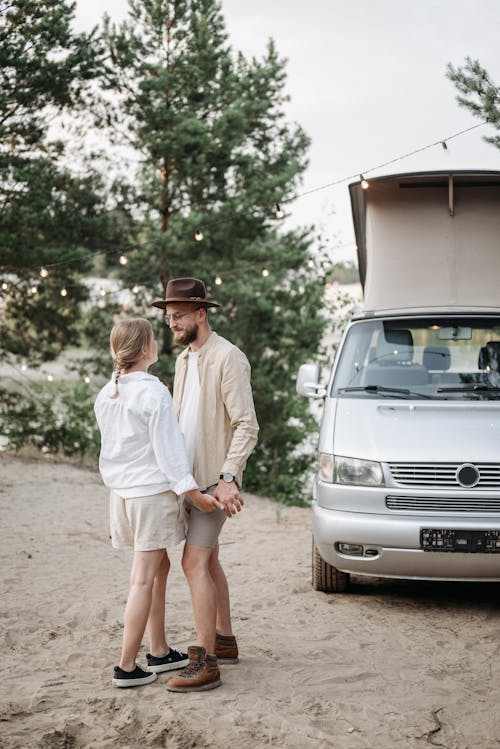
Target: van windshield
(442,358)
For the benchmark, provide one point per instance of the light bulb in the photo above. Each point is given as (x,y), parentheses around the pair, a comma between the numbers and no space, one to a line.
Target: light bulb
(198,235)
(64,292)
(265,272)
(44,272)
(86,379)
(34,289)
(135,289)
(279,211)
(364,182)
(218,281)
(102,291)
(5,286)
(123,259)
(50,378)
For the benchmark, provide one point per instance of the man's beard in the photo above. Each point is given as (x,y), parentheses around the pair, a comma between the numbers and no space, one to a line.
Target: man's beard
(186,336)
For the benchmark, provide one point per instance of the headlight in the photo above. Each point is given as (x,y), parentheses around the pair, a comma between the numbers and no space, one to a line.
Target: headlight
(325,467)
(357,472)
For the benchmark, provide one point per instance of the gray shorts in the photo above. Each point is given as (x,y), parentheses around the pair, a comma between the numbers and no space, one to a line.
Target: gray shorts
(202,528)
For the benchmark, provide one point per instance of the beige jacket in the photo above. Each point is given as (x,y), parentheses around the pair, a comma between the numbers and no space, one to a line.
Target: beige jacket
(227,425)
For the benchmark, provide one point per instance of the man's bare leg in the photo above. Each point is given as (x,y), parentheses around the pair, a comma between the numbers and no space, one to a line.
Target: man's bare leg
(223,621)
(195,562)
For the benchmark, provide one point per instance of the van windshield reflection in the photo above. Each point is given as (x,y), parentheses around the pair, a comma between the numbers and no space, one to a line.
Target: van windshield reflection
(437,358)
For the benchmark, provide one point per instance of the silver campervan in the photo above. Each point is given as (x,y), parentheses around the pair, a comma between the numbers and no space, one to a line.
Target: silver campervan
(408,476)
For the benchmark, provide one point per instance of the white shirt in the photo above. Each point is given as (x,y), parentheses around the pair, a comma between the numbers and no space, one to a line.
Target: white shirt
(142,448)
(188,417)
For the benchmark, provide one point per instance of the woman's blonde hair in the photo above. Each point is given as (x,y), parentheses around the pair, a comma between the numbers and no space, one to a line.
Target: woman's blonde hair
(128,339)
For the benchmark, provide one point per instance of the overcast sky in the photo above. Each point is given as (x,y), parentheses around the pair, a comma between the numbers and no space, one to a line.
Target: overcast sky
(367,83)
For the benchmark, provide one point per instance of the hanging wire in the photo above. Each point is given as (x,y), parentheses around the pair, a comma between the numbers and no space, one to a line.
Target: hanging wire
(279,213)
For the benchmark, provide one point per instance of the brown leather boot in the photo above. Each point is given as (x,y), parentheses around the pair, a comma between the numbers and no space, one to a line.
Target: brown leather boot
(226,648)
(200,674)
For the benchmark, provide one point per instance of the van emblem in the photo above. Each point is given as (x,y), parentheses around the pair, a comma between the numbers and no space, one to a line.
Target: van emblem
(467,475)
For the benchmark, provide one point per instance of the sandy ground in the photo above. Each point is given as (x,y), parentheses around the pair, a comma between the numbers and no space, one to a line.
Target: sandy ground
(391,664)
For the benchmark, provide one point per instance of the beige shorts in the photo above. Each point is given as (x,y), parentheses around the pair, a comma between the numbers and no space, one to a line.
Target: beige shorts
(145,523)
(202,528)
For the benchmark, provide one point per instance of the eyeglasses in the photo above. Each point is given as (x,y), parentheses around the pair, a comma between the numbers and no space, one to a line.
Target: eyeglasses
(175,317)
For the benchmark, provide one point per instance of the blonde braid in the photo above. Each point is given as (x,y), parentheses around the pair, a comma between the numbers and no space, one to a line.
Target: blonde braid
(117,372)
(128,339)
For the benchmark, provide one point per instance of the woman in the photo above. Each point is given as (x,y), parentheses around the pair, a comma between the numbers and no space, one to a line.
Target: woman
(143,462)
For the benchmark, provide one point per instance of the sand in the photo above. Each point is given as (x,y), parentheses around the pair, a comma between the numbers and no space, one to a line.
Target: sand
(390,664)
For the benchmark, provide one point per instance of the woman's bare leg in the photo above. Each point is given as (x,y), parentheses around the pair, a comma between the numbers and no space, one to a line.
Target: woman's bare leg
(144,569)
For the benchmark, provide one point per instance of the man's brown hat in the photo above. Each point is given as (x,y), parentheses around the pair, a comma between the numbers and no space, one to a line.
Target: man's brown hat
(190,290)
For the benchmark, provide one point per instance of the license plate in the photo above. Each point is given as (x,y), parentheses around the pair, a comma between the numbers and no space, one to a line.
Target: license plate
(442,539)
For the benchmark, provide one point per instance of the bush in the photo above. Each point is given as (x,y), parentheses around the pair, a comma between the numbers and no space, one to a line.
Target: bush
(56,419)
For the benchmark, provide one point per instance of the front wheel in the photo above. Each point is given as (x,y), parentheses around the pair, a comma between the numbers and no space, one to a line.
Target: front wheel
(325,577)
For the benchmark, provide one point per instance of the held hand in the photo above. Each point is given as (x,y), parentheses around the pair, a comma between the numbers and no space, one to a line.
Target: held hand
(229,495)
(206,502)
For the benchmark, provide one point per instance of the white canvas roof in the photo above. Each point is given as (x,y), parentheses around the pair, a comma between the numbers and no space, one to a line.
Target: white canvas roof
(429,240)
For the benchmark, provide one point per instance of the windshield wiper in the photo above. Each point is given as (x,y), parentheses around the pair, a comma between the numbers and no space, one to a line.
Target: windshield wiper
(383,389)
(471,389)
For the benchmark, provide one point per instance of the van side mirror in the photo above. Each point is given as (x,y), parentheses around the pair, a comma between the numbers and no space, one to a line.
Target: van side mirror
(308,381)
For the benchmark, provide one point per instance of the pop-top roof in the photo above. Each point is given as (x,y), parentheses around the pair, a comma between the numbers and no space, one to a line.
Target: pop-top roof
(429,239)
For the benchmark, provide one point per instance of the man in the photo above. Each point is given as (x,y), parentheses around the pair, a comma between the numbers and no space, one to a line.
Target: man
(214,404)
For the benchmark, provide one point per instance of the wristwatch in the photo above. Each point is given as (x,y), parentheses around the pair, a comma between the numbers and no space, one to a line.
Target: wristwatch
(227,477)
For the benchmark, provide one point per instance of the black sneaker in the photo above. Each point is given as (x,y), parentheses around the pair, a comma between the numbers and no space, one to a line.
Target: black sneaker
(134,678)
(174,659)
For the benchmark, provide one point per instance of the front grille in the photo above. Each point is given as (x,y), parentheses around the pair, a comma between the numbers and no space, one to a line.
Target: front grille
(443,504)
(443,474)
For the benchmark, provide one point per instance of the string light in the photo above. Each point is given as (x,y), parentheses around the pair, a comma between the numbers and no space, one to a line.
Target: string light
(64,292)
(50,378)
(23,367)
(44,272)
(279,213)
(86,379)
(218,280)
(265,272)
(102,291)
(34,289)
(310,263)
(5,286)
(135,289)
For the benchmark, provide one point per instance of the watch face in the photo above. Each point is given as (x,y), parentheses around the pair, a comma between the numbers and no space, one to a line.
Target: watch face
(227,477)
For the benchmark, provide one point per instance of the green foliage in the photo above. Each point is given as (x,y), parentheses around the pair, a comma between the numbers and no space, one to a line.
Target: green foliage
(218,154)
(57,419)
(477,93)
(48,214)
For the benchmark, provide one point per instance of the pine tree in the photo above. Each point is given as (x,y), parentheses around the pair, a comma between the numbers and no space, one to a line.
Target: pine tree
(49,215)
(218,156)
(477,93)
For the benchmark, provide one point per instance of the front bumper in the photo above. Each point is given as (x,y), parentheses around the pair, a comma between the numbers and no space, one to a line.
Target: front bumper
(391,545)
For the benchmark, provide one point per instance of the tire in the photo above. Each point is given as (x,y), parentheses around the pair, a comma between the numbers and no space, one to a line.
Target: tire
(325,577)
